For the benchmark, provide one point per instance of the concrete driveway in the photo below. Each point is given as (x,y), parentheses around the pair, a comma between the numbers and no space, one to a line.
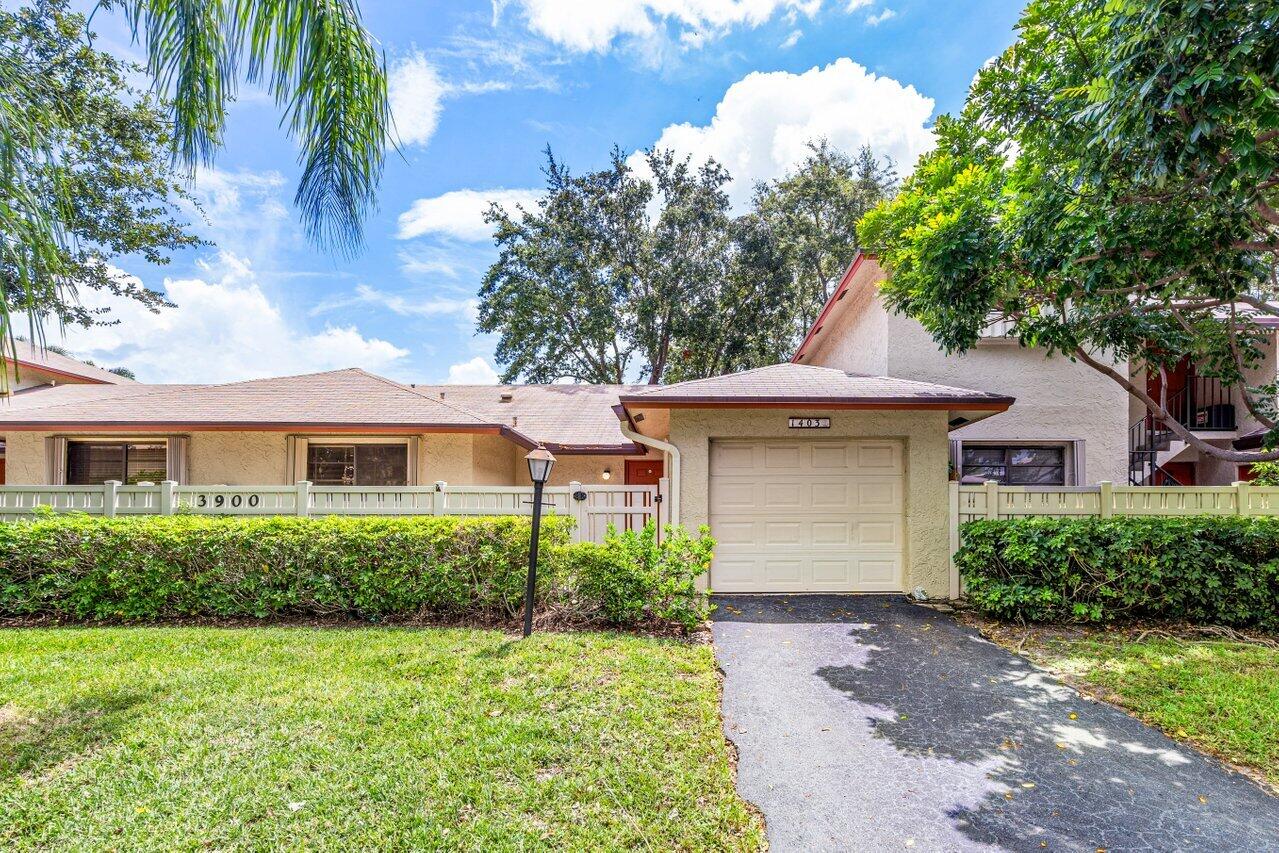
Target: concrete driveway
(869,723)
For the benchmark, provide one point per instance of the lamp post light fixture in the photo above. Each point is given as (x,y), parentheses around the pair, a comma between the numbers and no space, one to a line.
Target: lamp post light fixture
(540,462)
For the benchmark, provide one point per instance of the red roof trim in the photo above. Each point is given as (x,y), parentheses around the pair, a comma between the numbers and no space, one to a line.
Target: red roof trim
(983,404)
(44,368)
(830,304)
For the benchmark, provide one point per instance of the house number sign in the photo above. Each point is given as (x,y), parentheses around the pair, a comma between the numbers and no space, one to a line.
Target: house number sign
(809,423)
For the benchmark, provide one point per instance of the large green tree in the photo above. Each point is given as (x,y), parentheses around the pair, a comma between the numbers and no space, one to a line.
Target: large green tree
(813,212)
(614,276)
(314,58)
(1110,188)
(115,167)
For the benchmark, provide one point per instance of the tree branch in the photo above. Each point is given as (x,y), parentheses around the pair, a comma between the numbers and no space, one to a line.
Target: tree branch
(1172,423)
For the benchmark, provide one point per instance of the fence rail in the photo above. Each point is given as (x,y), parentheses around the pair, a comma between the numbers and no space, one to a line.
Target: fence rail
(593,508)
(991,500)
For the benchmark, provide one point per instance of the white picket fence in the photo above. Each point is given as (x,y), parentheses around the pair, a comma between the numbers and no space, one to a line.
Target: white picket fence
(593,508)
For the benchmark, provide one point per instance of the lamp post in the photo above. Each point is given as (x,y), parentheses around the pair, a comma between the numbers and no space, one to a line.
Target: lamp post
(540,462)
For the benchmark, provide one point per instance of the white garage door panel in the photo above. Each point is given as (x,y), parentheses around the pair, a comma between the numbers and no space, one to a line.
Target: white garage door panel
(807,515)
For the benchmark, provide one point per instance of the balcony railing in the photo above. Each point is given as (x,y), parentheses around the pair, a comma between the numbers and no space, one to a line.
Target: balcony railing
(1204,404)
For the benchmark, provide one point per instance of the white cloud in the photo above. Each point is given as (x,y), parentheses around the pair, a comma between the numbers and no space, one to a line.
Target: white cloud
(879,17)
(399,304)
(460,214)
(594,25)
(225,328)
(415,90)
(792,39)
(477,371)
(761,125)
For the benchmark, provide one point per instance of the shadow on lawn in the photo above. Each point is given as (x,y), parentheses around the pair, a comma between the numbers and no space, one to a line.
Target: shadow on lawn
(31,746)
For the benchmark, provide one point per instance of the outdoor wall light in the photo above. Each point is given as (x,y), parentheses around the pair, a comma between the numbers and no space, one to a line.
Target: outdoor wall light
(608,474)
(540,462)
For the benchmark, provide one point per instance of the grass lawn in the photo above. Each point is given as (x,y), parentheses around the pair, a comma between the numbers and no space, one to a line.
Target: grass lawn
(1220,696)
(184,738)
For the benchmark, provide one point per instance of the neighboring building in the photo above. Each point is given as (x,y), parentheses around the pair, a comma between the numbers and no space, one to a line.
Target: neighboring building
(1071,425)
(344,427)
(35,368)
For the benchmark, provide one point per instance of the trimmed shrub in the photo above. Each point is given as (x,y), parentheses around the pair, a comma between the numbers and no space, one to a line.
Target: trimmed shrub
(162,567)
(632,579)
(1220,570)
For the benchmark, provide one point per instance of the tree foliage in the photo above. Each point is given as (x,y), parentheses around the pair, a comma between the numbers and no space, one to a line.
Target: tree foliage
(813,211)
(614,276)
(1110,187)
(314,58)
(618,274)
(114,170)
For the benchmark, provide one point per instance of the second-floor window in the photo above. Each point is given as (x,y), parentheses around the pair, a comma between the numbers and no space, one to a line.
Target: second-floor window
(1015,465)
(357,464)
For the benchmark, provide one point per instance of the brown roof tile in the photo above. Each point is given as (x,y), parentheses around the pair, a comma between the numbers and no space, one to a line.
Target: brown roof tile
(790,383)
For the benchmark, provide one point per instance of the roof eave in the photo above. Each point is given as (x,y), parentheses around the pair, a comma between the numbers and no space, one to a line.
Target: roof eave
(991,404)
(834,300)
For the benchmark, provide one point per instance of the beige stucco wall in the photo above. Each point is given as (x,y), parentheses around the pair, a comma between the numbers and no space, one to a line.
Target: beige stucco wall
(261,458)
(927,456)
(1057,399)
(237,458)
(24,458)
(587,470)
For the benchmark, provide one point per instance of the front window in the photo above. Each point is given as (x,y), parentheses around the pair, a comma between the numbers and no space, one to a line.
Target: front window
(357,464)
(1015,465)
(93,463)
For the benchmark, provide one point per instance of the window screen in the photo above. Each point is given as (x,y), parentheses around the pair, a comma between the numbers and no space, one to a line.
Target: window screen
(93,463)
(1015,465)
(357,464)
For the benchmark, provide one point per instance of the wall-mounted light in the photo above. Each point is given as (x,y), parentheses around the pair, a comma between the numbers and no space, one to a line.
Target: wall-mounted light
(608,474)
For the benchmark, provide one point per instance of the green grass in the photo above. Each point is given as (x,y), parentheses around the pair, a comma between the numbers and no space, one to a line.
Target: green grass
(1220,696)
(191,738)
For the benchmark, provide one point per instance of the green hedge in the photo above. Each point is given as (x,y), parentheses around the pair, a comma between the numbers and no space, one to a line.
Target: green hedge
(144,568)
(1220,570)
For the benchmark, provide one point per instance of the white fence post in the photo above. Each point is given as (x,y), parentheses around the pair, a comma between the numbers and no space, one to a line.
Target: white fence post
(109,491)
(1107,498)
(992,499)
(663,512)
(1243,497)
(438,499)
(166,497)
(954,538)
(303,499)
(577,509)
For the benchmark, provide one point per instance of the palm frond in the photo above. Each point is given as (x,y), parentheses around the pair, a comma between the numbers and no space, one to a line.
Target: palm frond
(317,61)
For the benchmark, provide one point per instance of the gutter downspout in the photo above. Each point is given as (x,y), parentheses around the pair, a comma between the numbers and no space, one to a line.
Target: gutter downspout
(628,430)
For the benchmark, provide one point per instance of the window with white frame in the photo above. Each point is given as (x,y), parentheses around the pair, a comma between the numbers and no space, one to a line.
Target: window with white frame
(335,464)
(95,462)
(1016,465)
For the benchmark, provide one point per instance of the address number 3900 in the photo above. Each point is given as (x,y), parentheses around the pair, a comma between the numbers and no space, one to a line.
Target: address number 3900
(218,501)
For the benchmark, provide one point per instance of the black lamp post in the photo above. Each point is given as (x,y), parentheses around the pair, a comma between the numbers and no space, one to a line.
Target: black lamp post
(539,471)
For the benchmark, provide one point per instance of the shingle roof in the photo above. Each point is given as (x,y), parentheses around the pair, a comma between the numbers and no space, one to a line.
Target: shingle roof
(557,415)
(34,357)
(349,397)
(791,384)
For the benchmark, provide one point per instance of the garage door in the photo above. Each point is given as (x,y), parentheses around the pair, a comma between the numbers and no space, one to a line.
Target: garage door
(807,516)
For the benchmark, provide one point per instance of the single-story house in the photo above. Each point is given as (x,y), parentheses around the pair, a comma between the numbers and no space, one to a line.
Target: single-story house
(810,478)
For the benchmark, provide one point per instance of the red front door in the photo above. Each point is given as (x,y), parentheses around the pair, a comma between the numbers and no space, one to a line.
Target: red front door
(642,472)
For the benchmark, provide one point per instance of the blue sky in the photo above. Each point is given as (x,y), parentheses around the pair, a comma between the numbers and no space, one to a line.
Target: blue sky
(479,89)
